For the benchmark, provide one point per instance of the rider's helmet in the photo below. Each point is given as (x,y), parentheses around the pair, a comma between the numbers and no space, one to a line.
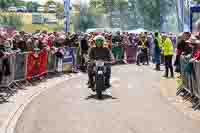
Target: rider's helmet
(99,40)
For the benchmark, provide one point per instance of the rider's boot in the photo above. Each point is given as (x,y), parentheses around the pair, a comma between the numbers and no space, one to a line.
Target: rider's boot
(91,82)
(107,83)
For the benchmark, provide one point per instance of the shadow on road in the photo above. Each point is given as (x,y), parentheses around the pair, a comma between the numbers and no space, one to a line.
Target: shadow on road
(105,96)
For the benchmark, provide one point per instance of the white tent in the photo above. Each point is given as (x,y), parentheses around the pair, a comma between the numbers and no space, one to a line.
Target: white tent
(137,30)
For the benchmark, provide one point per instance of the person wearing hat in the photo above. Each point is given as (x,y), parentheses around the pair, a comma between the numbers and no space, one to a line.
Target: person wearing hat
(182,48)
(168,52)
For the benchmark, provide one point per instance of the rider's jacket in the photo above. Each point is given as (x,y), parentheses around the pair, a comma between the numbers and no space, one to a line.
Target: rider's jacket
(100,54)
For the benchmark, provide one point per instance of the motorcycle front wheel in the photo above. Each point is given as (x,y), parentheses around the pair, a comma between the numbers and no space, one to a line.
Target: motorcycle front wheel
(99,86)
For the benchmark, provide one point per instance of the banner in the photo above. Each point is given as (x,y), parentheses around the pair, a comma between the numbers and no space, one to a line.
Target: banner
(131,52)
(43,61)
(59,67)
(68,59)
(20,66)
(33,66)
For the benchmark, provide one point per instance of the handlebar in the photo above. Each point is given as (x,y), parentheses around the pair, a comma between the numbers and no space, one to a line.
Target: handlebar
(106,62)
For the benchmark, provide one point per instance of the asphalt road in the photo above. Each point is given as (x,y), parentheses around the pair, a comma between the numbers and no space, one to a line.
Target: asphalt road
(133,105)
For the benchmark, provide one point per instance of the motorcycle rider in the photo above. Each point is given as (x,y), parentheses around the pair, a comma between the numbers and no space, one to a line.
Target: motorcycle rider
(99,53)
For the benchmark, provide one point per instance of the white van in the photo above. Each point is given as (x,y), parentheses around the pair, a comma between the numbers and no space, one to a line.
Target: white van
(12,9)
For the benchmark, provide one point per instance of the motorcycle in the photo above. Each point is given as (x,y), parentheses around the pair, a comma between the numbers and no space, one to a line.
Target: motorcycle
(99,78)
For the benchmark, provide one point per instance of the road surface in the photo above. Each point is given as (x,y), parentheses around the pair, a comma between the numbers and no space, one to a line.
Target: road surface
(133,105)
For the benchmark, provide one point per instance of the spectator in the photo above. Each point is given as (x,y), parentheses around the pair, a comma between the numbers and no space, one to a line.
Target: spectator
(168,54)
(182,48)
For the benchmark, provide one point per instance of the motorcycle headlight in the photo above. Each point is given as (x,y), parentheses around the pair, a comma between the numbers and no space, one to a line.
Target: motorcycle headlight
(100,72)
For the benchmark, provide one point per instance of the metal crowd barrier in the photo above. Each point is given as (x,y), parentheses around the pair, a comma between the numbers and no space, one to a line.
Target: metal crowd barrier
(196,79)
(191,80)
(20,66)
(7,74)
(30,65)
(186,77)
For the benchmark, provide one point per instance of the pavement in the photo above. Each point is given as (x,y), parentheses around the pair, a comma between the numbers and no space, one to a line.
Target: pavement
(12,109)
(139,101)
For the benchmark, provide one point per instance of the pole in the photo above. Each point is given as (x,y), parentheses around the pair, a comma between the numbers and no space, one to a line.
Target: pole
(67,15)
(182,13)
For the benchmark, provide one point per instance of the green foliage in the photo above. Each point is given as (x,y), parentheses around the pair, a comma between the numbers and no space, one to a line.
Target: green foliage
(11,20)
(60,10)
(4,4)
(49,2)
(149,14)
(87,22)
(32,6)
(20,3)
(198,1)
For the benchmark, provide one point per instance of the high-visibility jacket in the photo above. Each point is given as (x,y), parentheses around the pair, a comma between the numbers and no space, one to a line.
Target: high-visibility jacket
(144,44)
(168,48)
(159,40)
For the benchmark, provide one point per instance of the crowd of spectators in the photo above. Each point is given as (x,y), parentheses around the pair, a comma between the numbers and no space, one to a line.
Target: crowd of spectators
(188,45)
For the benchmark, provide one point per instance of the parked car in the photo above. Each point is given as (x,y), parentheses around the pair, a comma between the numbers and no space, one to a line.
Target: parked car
(52,8)
(12,9)
(40,9)
(51,20)
(22,9)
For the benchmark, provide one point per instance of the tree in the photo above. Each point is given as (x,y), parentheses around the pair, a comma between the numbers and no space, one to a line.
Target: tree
(97,7)
(60,10)
(11,20)
(197,1)
(32,6)
(154,12)
(6,3)
(49,2)
(87,22)
(20,3)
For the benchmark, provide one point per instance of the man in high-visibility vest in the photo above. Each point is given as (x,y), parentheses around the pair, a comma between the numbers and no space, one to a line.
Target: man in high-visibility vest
(157,50)
(168,52)
(144,46)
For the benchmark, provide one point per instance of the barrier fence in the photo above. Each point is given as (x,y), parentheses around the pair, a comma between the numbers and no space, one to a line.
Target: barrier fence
(30,65)
(190,75)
